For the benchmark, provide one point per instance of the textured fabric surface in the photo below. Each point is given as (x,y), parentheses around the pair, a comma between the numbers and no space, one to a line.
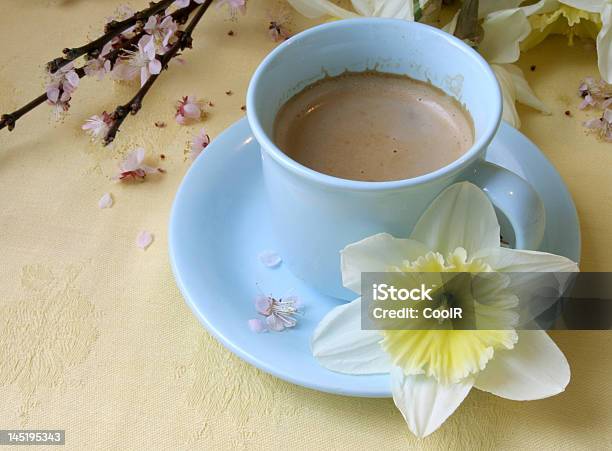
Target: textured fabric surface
(94,335)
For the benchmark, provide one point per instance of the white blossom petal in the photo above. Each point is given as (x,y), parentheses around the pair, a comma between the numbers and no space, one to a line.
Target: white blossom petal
(503,31)
(144,239)
(462,216)
(339,343)
(269,259)
(106,201)
(133,160)
(535,369)
(376,253)
(424,403)
(155,66)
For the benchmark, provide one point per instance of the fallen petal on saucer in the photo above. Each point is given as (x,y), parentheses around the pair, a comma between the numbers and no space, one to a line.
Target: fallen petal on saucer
(270,259)
(257,326)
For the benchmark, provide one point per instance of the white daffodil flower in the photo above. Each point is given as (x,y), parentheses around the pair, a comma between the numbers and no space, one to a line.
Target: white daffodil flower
(398,9)
(432,371)
(586,18)
(505,26)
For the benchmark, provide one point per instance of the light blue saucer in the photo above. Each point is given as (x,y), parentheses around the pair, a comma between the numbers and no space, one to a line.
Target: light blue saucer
(219,224)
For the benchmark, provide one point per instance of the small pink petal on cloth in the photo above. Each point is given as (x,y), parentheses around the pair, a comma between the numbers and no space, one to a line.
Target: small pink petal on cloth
(144,239)
(106,201)
(257,326)
(270,259)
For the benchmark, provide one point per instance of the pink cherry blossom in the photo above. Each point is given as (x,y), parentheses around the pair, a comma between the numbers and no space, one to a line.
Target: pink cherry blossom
(162,30)
(279,313)
(143,60)
(132,168)
(595,93)
(189,109)
(602,125)
(100,66)
(199,143)
(62,83)
(278,27)
(98,126)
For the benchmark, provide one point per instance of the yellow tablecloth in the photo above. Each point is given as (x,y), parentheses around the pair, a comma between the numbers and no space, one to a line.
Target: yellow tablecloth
(94,335)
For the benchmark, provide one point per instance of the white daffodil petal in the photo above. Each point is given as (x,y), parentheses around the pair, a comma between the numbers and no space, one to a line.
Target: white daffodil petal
(604,41)
(514,260)
(424,403)
(489,6)
(462,216)
(515,88)
(510,115)
(398,9)
(364,7)
(376,253)
(503,31)
(535,369)
(592,6)
(317,8)
(339,343)
(541,7)
(523,92)
(535,276)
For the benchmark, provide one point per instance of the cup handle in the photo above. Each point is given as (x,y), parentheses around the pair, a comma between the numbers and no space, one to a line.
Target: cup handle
(516,199)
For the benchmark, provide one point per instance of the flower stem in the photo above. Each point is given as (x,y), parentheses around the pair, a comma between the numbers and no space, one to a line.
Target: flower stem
(184,41)
(9,120)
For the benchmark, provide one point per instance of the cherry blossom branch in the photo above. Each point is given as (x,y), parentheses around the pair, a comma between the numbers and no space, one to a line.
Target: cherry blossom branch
(180,16)
(184,41)
(112,29)
(9,120)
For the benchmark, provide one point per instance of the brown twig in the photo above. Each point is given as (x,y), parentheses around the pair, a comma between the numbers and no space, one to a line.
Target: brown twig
(184,41)
(112,29)
(9,120)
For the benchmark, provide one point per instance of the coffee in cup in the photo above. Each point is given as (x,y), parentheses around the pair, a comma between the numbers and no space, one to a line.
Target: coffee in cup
(373,126)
